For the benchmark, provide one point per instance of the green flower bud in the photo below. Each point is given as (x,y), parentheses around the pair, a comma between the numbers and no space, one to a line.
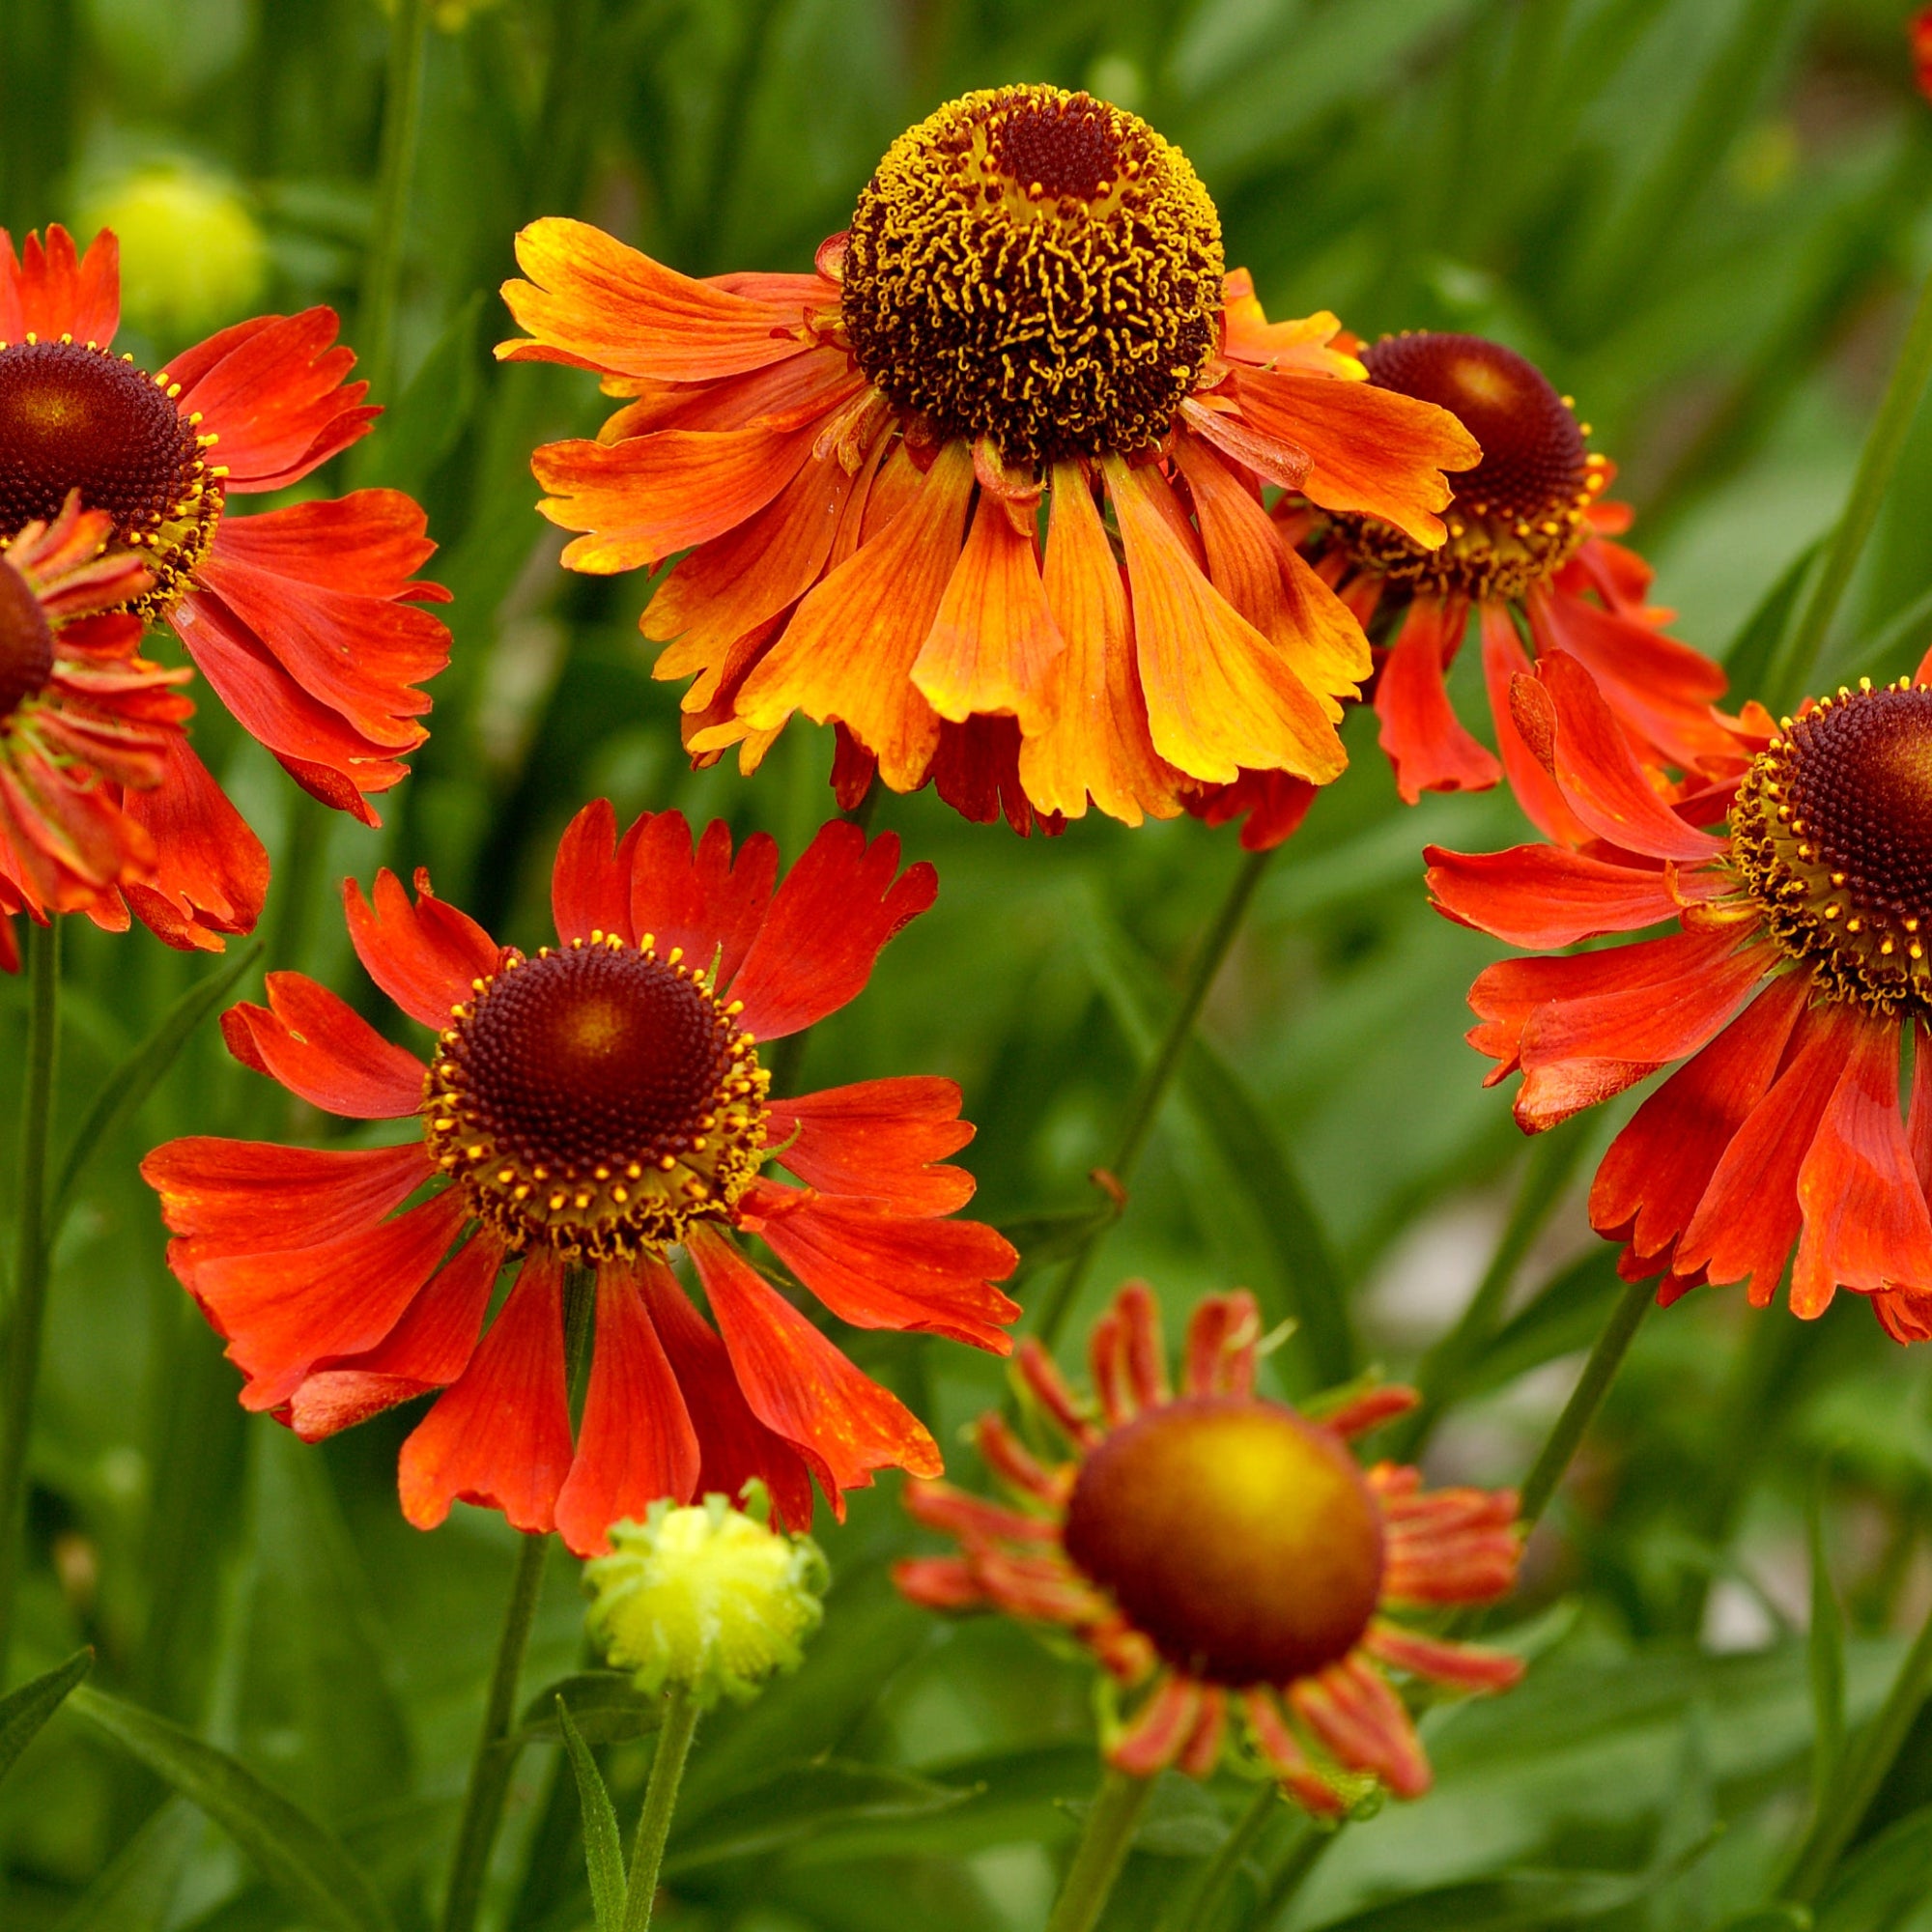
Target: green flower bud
(192,255)
(709,1597)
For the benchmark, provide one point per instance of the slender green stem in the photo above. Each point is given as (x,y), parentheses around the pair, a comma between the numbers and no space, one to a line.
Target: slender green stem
(496,1757)
(1144,1108)
(1304,1855)
(1585,1399)
(1104,1843)
(1798,650)
(1547,1170)
(29,1268)
(402,123)
(648,1849)
(1192,1907)
(1839,1817)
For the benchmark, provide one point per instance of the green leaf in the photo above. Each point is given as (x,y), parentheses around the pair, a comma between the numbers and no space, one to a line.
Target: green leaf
(136,1892)
(24,1711)
(1054,1234)
(804,1802)
(1824,1657)
(606,1706)
(1882,1880)
(302,1858)
(1515,1902)
(1749,654)
(1777,1919)
(433,412)
(124,1091)
(603,1850)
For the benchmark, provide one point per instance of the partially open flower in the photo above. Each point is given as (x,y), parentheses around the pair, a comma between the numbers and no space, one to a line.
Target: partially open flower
(1027,334)
(594,1106)
(1530,552)
(302,619)
(709,1597)
(1224,1554)
(1794,963)
(87,725)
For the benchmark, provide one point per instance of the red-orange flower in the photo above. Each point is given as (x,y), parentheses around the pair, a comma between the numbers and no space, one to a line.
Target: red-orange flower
(1794,964)
(1221,1554)
(594,1105)
(1027,329)
(87,725)
(1529,549)
(303,618)
(1918,30)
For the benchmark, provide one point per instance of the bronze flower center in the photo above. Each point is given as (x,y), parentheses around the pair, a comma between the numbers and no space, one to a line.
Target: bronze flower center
(26,641)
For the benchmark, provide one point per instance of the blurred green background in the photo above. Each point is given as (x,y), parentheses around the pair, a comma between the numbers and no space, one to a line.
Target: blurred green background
(1705,219)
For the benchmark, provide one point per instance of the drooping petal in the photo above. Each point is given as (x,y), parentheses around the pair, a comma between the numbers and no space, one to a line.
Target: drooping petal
(831,919)
(1352,1709)
(1504,661)
(881,1140)
(424,956)
(1544,895)
(636,1443)
(877,1269)
(799,1385)
(1421,735)
(319,1046)
(210,873)
(1154,1736)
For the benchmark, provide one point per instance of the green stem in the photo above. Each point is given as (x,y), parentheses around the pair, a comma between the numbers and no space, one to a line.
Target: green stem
(1304,1855)
(401,123)
(1798,650)
(496,1756)
(30,1271)
(1144,1108)
(1109,1834)
(1585,1399)
(647,1850)
(1551,1160)
(1192,1907)
(1845,1805)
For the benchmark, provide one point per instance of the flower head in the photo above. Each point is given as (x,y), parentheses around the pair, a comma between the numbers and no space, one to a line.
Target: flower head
(87,725)
(709,1597)
(1220,1552)
(1531,554)
(1794,965)
(986,489)
(594,1106)
(302,619)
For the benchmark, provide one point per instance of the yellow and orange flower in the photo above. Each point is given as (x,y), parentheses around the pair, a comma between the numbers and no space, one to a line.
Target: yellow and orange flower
(1221,1554)
(1793,963)
(592,1106)
(1530,554)
(88,728)
(1027,331)
(302,619)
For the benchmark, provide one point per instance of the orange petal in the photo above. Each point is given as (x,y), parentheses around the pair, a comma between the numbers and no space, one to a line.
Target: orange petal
(848,651)
(994,636)
(1219,695)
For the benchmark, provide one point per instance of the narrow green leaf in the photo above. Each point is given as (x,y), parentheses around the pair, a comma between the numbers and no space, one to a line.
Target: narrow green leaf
(1750,653)
(606,1706)
(603,1850)
(1876,1887)
(1779,1919)
(24,1711)
(434,411)
(136,1892)
(303,1860)
(1825,1654)
(124,1091)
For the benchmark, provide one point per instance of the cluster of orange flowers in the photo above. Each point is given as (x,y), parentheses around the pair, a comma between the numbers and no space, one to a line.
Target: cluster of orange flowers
(1022,493)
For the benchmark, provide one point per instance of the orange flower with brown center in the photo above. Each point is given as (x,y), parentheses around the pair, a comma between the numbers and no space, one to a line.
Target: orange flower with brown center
(987,489)
(1220,1552)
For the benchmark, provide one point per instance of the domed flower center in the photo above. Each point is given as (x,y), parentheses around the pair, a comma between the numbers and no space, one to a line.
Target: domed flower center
(26,641)
(1237,1536)
(597,1100)
(1036,267)
(1519,514)
(1833,832)
(74,417)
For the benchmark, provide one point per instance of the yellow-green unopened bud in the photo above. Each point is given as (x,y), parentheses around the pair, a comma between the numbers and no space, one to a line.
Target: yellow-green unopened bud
(708,1597)
(192,253)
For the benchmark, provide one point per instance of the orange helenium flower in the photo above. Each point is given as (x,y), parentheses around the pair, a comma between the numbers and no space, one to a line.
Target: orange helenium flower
(302,618)
(1529,549)
(1217,1549)
(87,725)
(1027,328)
(594,1106)
(1794,965)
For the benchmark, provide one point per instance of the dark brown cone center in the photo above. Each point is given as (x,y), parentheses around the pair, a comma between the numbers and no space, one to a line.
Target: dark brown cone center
(79,418)
(26,641)
(1237,1536)
(1068,146)
(1534,456)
